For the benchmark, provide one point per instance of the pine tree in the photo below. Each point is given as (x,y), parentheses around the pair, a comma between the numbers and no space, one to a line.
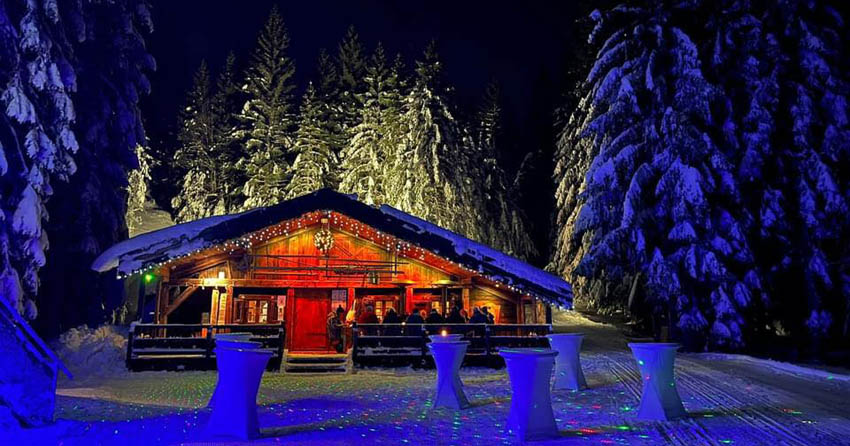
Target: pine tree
(227,102)
(315,160)
(658,203)
(786,119)
(62,86)
(418,182)
(501,219)
(362,158)
(269,117)
(352,70)
(328,101)
(394,130)
(199,196)
(138,189)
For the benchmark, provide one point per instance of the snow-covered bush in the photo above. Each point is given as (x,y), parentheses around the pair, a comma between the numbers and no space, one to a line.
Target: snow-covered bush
(93,351)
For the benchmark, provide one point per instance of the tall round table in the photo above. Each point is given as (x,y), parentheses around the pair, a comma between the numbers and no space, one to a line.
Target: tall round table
(448,356)
(659,400)
(234,342)
(234,413)
(531,416)
(568,373)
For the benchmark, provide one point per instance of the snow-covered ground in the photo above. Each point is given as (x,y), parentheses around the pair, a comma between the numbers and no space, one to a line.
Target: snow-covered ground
(731,400)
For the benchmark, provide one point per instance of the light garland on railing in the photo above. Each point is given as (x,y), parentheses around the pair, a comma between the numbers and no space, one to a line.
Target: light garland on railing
(346,224)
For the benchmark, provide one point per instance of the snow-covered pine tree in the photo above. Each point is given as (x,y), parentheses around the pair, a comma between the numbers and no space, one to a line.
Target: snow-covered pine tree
(328,101)
(393,126)
(227,102)
(37,142)
(500,218)
(422,180)
(199,195)
(814,146)
(786,116)
(268,115)
(315,160)
(138,189)
(352,71)
(659,203)
(68,54)
(362,158)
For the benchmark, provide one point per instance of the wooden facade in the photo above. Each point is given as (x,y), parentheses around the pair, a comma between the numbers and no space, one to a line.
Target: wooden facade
(280,274)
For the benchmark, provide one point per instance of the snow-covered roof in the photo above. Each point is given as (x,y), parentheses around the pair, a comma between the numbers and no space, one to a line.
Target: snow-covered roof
(155,247)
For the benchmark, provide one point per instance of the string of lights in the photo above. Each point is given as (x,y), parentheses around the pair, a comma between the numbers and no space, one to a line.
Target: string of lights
(341,223)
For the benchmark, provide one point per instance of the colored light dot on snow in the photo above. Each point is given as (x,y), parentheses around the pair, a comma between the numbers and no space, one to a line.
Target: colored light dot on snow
(623,427)
(726,441)
(640,361)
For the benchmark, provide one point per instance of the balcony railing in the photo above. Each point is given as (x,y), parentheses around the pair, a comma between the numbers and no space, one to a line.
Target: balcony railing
(190,346)
(407,343)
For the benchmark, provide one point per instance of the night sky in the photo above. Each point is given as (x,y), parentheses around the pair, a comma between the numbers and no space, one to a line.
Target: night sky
(523,45)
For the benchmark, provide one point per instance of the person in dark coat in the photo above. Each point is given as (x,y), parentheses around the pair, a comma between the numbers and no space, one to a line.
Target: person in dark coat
(434,318)
(335,332)
(414,321)
(392,318)
(478,318)
(455,317)
(488,315)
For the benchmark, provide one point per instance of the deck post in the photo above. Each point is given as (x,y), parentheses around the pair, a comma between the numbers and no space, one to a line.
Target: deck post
(487,342)
(209,346)
(354,335)
(422,339)
(130,337)
(282,338)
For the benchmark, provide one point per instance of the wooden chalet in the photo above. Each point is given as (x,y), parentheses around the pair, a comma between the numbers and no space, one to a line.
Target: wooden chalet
(294,262)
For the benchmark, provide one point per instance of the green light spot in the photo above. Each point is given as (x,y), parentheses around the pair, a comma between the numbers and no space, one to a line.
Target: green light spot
(148,277)
(640,361)
(726,441)
(623,427)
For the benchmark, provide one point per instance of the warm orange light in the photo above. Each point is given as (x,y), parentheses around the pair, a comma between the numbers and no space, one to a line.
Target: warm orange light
(443,333)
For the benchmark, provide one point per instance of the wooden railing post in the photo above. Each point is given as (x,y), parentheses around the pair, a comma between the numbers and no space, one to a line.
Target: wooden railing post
(423,336)
(355,333)
(281,341)
(209,348)
(487,342)
(130,337)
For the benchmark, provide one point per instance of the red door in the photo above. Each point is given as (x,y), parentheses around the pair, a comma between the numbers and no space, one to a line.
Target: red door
(309,328)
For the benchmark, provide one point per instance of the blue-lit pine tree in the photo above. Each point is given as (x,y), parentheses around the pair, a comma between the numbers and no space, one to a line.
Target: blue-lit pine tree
(658,205)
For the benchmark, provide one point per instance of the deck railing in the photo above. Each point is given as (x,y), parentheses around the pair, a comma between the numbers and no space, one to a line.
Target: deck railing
(384,343)
(190,346)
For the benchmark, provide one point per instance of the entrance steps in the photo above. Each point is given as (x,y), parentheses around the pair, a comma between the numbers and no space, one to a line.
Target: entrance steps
(317,363)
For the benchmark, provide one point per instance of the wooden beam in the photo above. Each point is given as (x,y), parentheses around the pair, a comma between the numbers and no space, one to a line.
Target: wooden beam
(185,294)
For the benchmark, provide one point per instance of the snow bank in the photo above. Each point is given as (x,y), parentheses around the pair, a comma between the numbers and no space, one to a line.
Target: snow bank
(93,352)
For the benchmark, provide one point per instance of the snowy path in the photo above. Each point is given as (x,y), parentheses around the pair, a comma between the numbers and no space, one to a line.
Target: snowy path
(730,402)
